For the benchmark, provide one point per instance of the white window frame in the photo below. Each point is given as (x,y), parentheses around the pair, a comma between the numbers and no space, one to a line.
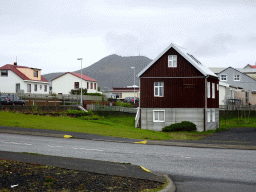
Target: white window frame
(213,90)
(158,87)
(172,60)
(213,115)
(222,78)
(208,89)
(217,87)
(208,112)
(237,77)
(156,114)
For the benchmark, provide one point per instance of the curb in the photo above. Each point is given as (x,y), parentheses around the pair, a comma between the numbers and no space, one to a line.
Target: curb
(170,187)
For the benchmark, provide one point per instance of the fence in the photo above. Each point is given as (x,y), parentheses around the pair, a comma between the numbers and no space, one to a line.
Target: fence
(95,107)
(53,100)
(41,108)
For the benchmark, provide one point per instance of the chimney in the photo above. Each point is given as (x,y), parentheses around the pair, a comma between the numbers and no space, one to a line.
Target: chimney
(15,63)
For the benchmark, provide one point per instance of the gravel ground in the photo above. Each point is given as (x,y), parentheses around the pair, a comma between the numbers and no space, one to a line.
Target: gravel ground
(19,176)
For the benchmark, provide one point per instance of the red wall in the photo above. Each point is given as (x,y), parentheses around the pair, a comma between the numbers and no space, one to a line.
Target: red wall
(188,92)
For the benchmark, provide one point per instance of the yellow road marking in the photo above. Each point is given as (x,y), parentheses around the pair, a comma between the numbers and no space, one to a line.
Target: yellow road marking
(141,142)
(67,136)
(145,169)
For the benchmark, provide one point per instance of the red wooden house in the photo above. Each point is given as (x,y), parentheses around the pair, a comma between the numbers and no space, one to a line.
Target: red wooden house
(177,87)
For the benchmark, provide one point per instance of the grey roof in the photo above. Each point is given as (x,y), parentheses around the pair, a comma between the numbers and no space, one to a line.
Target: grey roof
(217,69)
(190,58)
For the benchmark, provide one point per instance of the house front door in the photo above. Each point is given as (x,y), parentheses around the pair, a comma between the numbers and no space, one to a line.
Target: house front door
(17,87)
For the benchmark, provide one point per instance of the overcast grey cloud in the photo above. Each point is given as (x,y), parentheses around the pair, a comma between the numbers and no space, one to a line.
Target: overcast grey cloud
(51,35)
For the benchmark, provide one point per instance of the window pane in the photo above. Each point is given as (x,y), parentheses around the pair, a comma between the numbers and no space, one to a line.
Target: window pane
(161,91)
(161,115)
(174,63)
(156,115)
(156,83)
(174,57)
(169,57)
(156,91)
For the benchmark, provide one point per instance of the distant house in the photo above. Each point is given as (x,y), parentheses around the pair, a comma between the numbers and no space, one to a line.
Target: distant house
(236,78)
(177,87)
(67,81)
(123,92)
(20,79)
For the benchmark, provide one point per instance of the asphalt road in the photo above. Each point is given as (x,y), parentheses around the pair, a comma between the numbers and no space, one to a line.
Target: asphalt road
(192,169)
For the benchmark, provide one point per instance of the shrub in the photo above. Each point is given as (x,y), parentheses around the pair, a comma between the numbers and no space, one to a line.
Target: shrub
(121,104)
(183,126)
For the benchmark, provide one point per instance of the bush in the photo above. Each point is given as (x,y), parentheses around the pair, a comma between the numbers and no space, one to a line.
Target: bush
(121,104)
(183,126)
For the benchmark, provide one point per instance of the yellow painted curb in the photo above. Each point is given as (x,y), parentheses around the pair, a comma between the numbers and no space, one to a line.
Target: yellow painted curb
(67,136)
(141,142)
(145,169)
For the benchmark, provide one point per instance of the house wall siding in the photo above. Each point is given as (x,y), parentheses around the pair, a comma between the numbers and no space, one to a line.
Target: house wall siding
(160,68)
(175,93)
(8,84)
(65,83)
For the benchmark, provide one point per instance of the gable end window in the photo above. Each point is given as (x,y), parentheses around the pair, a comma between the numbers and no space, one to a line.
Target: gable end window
(158,89)
(159,116)
(172,60)
(236,77)
(76,85)
(35,73)
(223,77)
(4,73)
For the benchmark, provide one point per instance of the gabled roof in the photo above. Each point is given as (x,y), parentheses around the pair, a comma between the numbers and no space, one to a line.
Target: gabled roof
(237,71)
(14,69)
(84,77)
(252,66)
(190,58)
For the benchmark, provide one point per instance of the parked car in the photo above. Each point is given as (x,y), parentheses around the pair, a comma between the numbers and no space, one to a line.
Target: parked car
(11,100)
(131,100)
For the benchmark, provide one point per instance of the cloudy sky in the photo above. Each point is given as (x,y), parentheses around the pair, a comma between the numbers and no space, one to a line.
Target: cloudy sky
(52,34)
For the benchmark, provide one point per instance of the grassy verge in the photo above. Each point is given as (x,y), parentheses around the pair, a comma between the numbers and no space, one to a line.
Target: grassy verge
(121,126)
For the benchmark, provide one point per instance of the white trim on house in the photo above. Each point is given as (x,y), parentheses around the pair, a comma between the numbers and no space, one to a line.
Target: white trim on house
(159,89)
(156,118)
(223,77)
(172,60)
(213,90)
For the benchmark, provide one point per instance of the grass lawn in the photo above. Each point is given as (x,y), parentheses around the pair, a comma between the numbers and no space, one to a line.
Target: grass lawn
(121,126)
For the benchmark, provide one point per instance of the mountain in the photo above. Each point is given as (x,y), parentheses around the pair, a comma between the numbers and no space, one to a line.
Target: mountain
(112,71)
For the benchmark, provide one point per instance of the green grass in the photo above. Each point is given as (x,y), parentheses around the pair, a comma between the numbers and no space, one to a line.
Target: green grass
(122,126)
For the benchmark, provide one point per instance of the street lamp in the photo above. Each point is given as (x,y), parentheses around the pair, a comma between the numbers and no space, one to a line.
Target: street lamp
(81,80)
(134,84)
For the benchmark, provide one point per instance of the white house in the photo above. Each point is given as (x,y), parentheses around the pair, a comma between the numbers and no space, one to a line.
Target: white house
(123,92)
(20,79)
(67,81)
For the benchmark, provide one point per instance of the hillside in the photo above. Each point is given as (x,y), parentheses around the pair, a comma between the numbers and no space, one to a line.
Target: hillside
(112,71)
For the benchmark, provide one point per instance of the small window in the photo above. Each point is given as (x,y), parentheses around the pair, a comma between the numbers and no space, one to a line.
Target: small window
(91,85)
(29,88)
(236,77)
(45,88)
(213,90)
(213,115)
(4,73)
(35,87)
(223,77)
(159,116)
(87,85)
(208,115)
(76,86)
(208,90)
(95,86)
(159,89)
(35,73)
(172,60)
